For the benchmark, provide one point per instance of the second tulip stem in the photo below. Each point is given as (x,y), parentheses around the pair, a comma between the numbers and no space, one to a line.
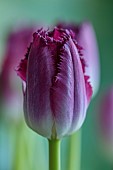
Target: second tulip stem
(54,154)
(75,151)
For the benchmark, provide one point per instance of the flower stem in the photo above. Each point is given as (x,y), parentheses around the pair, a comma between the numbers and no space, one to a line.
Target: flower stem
(54,154)
(75,151)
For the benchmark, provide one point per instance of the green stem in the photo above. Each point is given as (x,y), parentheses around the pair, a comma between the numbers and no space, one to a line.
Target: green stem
(54,154)
(75,151)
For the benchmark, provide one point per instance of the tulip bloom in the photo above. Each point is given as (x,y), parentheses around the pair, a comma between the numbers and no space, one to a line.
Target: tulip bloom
(17,43)
(85,36)
(106,118)
(55,87)
(105,124)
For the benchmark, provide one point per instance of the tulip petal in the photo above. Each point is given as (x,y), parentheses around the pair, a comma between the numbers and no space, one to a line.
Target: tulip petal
(80,95)
(88,86)
(21,71)
(62,93)
(68,93)
(37,97)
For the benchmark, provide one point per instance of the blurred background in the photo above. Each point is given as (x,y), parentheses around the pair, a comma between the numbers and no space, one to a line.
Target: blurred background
(19,146)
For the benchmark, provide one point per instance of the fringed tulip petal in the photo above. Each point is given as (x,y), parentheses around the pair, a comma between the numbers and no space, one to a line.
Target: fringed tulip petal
(80,97)
(37,96)
(62,92)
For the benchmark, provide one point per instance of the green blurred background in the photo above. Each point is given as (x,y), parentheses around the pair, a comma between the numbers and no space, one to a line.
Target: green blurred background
(100,13)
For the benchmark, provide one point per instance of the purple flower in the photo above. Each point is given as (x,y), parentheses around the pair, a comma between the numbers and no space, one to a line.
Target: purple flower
(16,45)
(55,87)
(106,117)
(85,36)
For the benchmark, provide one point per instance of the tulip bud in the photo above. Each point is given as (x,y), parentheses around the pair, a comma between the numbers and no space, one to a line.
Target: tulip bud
(85,36)
(106,120)
(56,89)
(11,96)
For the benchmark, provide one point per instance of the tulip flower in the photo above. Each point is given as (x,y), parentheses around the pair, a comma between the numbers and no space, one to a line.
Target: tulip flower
(85,36)
(17,43)
(106,120)
(56,90)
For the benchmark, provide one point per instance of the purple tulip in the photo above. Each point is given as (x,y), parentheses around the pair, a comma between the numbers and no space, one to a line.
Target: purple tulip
(106,117)
(17,43)
(56,89)
(85,36)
